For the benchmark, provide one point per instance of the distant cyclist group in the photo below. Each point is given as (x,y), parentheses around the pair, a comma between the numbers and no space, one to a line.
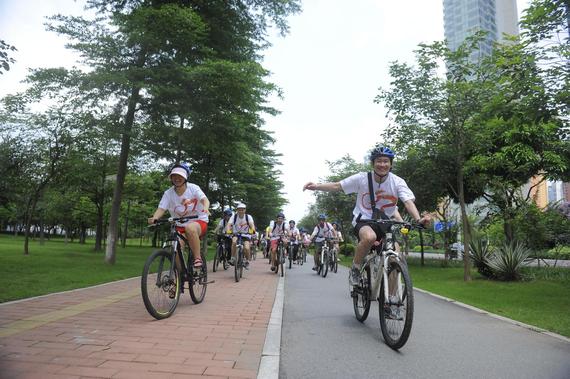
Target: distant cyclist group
(377,194)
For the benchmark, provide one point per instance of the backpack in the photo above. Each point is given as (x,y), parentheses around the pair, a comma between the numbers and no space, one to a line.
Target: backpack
(275,225)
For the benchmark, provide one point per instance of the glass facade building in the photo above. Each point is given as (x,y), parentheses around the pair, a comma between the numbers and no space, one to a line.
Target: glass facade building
(462,18)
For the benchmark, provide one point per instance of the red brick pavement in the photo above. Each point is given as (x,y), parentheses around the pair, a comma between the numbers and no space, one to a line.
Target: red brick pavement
(106,332)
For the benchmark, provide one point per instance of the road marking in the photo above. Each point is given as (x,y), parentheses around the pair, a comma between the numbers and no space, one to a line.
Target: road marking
(72,310)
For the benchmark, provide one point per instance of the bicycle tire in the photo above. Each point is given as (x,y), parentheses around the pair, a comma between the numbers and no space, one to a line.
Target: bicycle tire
(217,258)
(325,263)
(335,263)
(156,290)
(238,264)
(396,331)
(281,259)
(290,258)
(361,296)
(198,281)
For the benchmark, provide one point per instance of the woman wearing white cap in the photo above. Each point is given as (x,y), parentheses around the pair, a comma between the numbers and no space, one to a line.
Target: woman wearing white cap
(185,199)
(241,223)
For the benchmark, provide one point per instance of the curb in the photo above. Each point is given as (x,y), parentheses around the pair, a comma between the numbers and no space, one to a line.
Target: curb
(269,365)
(495,316)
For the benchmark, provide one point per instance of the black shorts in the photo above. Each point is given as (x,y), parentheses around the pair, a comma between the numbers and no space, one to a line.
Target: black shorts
(375,227)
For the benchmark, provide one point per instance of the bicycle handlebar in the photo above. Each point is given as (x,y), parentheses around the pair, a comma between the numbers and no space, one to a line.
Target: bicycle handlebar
(409,225)
(172,220)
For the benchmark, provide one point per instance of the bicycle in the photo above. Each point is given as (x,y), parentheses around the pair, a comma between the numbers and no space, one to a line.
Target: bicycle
(166,271)
(301,254)
(333,261)
(325,263)
(221,255)
(290,247)
(240,261)
(280,257)
(385,277)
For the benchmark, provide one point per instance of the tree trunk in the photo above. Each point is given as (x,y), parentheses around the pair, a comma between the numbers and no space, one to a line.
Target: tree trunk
(113,229)
(466,228)
(99,228)
(42,234)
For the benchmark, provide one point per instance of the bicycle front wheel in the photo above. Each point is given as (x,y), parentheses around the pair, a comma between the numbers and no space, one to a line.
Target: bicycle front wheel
(325,263)
(396,311)
(198,281)
(361,296)
(217,258)
(238,266)
(160,285)
(281,261)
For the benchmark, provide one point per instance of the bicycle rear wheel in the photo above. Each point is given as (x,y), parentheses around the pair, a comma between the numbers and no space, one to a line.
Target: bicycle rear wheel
(397,312)
(160,285)
(361,296)
(198,281)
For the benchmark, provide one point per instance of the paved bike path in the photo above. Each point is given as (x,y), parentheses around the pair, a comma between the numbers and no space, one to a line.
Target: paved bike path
(321,338)
(105,331)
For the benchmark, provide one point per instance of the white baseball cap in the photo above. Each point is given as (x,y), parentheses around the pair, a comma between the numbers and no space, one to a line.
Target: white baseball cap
(178,171)
(240,205)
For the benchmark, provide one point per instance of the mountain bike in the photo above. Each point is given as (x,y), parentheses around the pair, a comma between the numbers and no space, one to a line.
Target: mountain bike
(333,261)
(240,259)
(290,247)
(301,254)
(325,256)
(221,255)
(281,256)
(167,270)
(385,277)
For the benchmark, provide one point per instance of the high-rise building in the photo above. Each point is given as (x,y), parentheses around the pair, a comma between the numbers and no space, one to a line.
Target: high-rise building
(464,17)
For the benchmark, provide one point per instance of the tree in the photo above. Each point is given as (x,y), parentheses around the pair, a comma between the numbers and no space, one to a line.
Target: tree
(5,59)
(137,51)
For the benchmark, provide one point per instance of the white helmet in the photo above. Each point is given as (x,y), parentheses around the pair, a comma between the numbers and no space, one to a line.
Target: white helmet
(240,205)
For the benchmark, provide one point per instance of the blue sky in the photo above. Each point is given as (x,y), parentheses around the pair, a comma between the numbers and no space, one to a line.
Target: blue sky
(329,67)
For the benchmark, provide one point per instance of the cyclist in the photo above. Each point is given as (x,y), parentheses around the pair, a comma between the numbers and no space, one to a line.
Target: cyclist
(294,237)
(221,234)
(387,189)
(241,223)
(322,230)
(185,199)
(278,229)
(339,238)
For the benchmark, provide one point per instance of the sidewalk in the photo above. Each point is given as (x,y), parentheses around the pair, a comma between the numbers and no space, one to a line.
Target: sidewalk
(105,331)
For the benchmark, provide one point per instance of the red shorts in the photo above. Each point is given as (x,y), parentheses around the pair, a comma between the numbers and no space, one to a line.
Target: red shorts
(203,227)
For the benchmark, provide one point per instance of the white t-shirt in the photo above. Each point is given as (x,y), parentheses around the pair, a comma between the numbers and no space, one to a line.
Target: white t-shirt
(295,235)
(241,224)
(322,232)
(188,204)
(278,231)
(386,194)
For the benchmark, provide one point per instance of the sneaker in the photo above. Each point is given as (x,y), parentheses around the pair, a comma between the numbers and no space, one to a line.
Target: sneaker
(273,268)
(232,261)
(198,263)
(315,268)
(246,265)
(354,278)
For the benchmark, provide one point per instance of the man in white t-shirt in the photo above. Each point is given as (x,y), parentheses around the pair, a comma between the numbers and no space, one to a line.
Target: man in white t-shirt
(185,199)
(278,230)
(241,223)
(387,189)
(321,232)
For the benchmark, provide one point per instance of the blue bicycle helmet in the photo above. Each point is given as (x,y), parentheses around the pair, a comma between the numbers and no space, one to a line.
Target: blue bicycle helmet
(381,151)
(280,214)
(228,212)
(182,169)
(322,216)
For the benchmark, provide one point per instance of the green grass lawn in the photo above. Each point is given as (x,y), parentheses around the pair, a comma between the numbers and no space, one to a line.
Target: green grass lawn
(57,266)
(542,300)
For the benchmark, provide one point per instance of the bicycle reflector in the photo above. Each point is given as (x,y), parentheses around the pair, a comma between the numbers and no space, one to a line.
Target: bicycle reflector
(404,230)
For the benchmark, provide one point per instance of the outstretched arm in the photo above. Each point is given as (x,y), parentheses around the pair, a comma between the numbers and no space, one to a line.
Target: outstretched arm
(329,187)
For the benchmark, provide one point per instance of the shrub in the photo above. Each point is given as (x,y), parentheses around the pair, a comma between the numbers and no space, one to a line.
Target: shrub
(481,255)
(347,249)
(507,262)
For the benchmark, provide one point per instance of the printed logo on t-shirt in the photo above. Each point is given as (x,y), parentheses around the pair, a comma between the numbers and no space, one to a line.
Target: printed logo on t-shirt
(187,207)
(382,199)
